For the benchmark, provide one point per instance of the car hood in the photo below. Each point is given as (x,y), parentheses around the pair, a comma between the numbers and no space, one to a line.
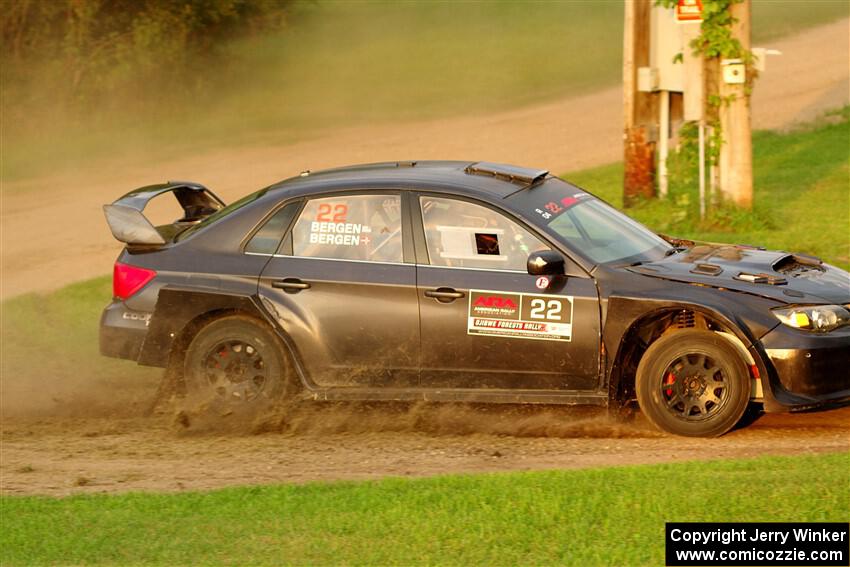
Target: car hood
(789,278)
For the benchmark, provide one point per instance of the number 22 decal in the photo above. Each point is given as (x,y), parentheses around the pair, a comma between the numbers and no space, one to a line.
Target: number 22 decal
(325,209)
(542,309)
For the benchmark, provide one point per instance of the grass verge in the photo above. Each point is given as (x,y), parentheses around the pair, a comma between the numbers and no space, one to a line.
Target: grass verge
(611,516)
(802,195)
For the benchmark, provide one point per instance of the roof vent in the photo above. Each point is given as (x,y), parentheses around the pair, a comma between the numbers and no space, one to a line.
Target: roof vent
(707,269)
(761,279)
(511,173)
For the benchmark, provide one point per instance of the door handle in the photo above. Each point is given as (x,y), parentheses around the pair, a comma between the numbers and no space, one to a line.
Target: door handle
(444,294)
(292,285)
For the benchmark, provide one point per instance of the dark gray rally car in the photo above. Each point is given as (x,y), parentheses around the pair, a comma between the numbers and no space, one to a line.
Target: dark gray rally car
(477,282)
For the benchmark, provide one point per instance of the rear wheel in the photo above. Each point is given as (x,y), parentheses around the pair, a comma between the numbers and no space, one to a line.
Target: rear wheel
(693,383)
(236,360)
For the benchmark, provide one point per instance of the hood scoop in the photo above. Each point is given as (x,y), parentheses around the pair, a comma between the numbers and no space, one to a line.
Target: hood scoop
(799,265)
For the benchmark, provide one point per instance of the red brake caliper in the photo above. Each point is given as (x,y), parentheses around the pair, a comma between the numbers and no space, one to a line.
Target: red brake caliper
(223,354)
(669,380)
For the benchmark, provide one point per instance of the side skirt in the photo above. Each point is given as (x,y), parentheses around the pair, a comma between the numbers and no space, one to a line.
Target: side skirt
(458,395)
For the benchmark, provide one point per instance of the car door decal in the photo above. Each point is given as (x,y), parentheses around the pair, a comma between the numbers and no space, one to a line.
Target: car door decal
(520,315)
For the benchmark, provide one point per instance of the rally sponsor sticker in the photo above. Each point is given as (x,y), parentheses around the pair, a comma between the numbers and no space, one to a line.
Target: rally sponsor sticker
(552,209)
(339,233)
(542,282)
(520,315)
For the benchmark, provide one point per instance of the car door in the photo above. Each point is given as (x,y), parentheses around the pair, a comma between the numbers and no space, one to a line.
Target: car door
(484,322)
(340,288)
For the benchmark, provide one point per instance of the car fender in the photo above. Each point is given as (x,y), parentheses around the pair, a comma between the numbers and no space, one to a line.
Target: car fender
(176,309)
(756,389)
(744,324)
(179,312)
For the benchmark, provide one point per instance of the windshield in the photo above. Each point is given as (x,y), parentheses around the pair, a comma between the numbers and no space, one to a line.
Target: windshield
(589,226)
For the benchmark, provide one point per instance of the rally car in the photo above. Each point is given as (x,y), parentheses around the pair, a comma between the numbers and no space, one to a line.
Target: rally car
(468,282)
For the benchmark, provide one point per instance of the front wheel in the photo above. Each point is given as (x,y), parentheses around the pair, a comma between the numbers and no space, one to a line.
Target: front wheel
(693,383)
(236,360)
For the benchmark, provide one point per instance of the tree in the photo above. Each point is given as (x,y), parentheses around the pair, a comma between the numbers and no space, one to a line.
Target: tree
(95,47)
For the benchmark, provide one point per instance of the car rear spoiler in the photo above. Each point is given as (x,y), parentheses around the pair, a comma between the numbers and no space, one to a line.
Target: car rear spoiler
(129,225)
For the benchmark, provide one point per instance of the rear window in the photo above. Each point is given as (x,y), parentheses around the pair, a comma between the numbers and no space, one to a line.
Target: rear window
(218,215)
(267,239)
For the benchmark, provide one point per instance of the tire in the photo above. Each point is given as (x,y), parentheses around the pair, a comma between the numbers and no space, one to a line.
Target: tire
(238,361)
(693,383)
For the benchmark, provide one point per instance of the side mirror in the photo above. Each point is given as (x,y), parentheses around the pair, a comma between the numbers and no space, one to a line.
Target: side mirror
(545,263)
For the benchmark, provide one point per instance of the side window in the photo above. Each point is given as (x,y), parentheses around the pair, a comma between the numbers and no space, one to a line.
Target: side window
(267,239)
(465,235)
(350,227)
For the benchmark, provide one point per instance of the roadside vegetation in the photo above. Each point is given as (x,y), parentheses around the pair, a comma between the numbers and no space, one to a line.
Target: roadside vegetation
(801,199)
(610,516)
(281,71)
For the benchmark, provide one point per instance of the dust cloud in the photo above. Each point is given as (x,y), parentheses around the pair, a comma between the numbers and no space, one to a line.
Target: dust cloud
(76,394)
(308,418)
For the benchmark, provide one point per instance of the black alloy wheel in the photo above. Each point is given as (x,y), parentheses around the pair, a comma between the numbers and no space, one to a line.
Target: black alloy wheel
(694,387)
(693,382)
(235,370)
(236,360)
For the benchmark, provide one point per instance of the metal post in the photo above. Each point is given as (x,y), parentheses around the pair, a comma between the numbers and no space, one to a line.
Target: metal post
(712,170)
(663,133)
(701,169)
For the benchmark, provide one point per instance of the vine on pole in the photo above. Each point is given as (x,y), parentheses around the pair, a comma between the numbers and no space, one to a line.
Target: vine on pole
(714,42)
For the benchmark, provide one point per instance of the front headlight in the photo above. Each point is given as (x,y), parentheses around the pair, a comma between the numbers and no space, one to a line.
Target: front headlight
(818,318)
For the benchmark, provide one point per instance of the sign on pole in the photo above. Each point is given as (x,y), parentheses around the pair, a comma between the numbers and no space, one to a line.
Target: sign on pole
(689,11)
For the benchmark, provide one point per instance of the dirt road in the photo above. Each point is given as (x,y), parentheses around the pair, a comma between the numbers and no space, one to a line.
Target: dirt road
(53,231)
(66,456)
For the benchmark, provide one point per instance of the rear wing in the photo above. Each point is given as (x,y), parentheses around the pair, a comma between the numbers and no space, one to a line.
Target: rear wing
(129,225)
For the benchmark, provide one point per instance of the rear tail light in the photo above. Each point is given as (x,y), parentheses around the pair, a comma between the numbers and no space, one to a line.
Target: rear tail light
(127,279)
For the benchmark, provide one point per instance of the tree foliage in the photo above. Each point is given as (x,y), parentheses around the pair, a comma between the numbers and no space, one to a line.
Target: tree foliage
(715,38)
(91,49)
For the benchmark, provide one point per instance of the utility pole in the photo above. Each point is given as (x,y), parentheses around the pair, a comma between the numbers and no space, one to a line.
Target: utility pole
(640,108)
(736,153)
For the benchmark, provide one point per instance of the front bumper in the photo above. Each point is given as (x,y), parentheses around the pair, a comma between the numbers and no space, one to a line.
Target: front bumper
(811,370)
(122,331)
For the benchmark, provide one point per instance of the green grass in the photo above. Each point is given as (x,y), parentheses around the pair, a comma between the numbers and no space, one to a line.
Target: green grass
(610,516)
(347,63)
(801,188)
(50,360)
(776,18)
